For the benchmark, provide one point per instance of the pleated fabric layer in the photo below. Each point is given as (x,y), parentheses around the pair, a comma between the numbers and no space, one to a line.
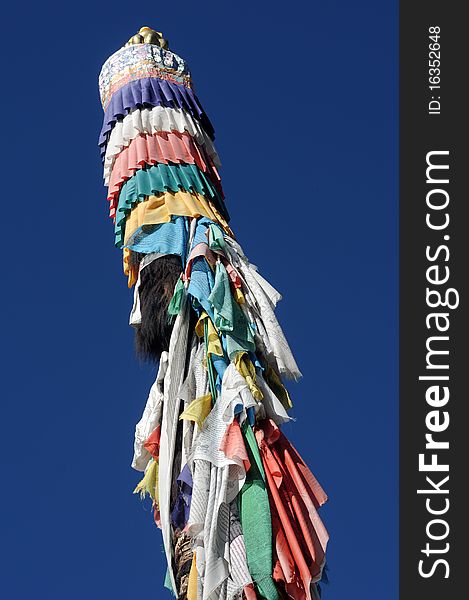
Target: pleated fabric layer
(236,503)
(161,147)
(150,121)
(151,92)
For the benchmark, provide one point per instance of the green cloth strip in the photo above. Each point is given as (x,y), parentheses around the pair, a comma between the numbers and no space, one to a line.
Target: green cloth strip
(256,521)
(210,368)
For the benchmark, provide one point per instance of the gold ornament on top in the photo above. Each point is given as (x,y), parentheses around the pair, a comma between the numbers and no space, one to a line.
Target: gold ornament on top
(146,35)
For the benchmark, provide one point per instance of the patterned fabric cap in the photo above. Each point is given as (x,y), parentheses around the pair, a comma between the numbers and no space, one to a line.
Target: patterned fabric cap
(138,62)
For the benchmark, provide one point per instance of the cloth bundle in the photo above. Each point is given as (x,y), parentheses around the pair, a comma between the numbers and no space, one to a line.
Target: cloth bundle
(236,503)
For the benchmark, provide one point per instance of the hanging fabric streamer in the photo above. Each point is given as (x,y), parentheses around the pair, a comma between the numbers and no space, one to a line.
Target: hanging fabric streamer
(236,503)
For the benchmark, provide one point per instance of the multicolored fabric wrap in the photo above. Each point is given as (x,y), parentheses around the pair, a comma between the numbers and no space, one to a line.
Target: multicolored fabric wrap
(236,503)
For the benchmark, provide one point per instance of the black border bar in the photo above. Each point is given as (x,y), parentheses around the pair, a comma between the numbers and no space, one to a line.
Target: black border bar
(434,335)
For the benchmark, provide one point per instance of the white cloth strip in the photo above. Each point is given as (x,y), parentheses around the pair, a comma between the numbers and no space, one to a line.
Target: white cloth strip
(171,405)
(151,417)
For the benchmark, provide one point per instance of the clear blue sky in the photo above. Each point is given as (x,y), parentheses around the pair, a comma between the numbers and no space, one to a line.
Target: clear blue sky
(303,96)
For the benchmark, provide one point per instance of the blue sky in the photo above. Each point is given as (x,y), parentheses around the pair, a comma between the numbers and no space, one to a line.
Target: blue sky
(303,96)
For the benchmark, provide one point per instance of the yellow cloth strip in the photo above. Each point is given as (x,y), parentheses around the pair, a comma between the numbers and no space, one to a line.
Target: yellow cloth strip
(130,270)
(149,483)
(160,208)
(213,343)
(245,367)
(239,296)
(278,388)
(192,585)
(198,410)
(199,326)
